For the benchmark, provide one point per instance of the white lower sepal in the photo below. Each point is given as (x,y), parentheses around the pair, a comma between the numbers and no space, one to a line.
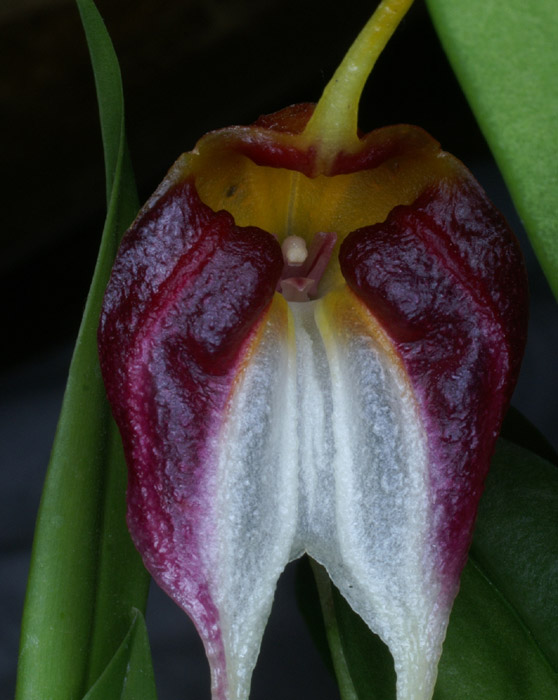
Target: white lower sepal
(323,451)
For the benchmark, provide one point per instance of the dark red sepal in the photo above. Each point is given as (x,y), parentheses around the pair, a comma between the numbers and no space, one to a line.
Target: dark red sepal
(186,293)
(180,257)
(445,278)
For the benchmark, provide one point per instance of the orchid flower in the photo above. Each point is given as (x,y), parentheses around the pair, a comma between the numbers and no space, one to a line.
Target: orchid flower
(309,342)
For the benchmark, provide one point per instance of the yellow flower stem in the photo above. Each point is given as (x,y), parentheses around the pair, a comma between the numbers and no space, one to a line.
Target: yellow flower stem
(333,126)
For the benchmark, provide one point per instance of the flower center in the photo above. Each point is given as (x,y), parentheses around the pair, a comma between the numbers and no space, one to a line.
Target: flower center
(303,268)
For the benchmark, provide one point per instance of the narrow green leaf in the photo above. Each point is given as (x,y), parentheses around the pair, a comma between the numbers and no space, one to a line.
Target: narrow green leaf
(110,99)
(85,574)
(503,631)
(129,674)
(505,55)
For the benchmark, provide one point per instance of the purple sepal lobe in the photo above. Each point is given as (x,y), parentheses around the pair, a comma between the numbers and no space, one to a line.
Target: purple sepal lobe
(445,278)
(186,293)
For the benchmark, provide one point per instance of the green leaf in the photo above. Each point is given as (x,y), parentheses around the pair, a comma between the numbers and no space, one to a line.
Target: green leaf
(505,55)
(122,197)
(502,639)
(85,574)
(488,654)
(516,540)
(129,675)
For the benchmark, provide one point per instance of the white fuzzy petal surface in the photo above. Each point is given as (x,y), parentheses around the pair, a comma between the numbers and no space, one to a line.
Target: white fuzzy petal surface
(323,452)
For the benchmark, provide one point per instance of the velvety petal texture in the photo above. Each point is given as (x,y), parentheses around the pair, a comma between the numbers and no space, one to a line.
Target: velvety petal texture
(190,287)
(309,342)
(445,279)
(357,427)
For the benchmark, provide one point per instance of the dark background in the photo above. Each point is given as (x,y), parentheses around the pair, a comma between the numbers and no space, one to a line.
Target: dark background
(188,66)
